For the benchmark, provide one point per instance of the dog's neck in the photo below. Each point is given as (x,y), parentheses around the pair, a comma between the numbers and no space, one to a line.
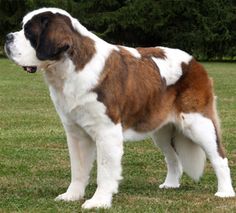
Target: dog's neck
(56,72)
(83,62)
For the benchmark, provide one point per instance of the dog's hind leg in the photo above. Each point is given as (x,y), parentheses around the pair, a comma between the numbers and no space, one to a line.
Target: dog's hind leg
(162,138)
(202,131)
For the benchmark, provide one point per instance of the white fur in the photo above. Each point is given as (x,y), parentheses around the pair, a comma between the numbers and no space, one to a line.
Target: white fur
(132,135)
(170,67)
(31,14)
(132,51)
(109,144)
(162,138)
(191,155)
(82,154)
(201,130)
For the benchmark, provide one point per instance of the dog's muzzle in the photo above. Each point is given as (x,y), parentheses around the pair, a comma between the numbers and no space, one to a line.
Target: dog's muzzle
(8,41)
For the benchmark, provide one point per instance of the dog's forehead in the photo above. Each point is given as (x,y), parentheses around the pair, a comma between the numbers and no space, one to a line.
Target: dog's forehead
(30,15)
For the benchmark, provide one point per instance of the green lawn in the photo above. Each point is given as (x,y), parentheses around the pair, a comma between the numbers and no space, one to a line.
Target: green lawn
(35,163)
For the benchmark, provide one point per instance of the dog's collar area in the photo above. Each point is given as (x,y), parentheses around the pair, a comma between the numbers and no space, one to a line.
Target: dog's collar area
(30,69)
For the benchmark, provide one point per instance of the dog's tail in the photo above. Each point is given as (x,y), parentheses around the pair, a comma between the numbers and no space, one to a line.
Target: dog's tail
(190,154)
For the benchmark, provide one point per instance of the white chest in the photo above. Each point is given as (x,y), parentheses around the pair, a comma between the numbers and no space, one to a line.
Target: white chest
(75,105)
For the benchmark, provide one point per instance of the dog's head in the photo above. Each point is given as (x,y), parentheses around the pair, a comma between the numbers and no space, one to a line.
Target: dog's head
(45,37)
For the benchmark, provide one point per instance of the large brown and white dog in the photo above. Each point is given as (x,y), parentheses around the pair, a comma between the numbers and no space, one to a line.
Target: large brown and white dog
(106,94)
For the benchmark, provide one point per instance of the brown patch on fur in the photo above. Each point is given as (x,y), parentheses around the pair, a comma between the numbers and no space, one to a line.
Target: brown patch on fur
(193,90)
(152,52)
(124,80)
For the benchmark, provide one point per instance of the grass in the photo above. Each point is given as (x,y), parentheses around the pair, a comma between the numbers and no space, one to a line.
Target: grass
(35,163)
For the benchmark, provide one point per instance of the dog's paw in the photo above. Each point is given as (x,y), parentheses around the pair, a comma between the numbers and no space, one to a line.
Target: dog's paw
(97,203)
(68,196)
(225,194)
(169,185)
(74,192)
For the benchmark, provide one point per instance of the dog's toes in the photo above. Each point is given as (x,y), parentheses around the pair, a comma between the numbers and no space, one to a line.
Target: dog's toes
(74,192)
(68,197)
(96,203)
(169,185)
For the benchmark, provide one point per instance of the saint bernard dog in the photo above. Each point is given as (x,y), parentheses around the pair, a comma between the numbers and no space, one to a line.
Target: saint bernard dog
(106,94)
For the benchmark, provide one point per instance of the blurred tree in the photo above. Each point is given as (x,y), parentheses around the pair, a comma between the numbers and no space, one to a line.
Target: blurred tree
(205,28)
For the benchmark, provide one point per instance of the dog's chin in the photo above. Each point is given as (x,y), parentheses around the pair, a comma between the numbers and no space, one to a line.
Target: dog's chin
(29,69)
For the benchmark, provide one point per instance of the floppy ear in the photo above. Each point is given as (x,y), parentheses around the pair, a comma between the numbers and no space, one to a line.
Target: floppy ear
(55,37)
(51,48)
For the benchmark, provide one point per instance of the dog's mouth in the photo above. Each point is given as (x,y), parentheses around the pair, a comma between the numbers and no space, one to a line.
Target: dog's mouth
(30,69)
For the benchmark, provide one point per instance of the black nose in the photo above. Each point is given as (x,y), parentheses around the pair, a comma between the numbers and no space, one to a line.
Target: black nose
(9,38)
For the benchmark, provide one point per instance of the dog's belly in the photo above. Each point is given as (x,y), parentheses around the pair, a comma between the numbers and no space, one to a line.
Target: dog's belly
(132,135)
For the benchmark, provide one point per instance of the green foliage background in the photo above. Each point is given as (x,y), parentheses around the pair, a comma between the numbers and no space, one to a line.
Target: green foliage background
(204,28)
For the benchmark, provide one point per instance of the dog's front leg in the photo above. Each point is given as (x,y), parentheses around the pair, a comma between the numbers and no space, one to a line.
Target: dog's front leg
(109,154)
(82,154)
